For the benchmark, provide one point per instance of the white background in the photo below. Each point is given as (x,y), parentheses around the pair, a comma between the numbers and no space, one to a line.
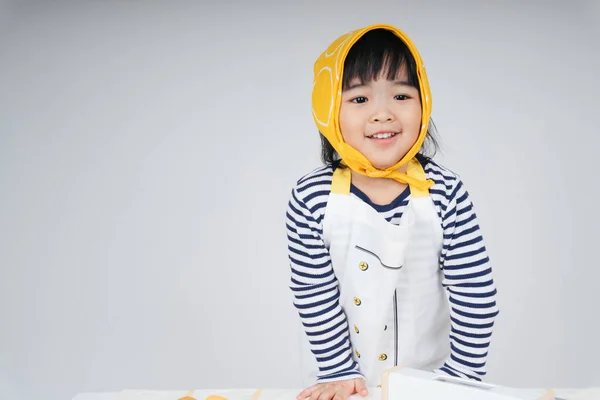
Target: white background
(147,151)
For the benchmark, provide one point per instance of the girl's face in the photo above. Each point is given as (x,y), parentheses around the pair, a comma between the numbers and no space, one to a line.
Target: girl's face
(381,119)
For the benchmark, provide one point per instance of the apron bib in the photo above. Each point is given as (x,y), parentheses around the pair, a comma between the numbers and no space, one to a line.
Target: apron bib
(390,282)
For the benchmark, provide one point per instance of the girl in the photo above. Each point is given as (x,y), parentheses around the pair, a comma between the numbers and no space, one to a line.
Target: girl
(388,265)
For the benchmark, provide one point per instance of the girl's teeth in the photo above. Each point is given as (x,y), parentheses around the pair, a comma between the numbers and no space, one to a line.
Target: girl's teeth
(383,135)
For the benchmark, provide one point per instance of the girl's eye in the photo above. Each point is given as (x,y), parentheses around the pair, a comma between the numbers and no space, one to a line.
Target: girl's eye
(359,99)
(401,97)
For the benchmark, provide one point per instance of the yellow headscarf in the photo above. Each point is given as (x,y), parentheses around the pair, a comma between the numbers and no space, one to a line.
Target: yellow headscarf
(326,101)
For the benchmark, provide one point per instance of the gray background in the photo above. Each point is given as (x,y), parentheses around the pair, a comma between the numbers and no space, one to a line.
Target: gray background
(147,151)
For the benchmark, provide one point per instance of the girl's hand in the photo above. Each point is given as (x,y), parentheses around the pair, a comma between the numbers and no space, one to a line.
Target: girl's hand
(339,390)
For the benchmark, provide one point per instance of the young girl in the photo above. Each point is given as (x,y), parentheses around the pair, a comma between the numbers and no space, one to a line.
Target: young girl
(388,265)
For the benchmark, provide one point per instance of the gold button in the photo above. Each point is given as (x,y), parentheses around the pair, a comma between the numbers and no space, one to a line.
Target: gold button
(357,301)
(378,386)
(383,357)
(363,266)
(357,353)
(355,328)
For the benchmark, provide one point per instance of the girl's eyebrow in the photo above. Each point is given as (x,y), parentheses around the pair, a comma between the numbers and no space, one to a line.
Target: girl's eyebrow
(361,84)
(403,83)
(354,85)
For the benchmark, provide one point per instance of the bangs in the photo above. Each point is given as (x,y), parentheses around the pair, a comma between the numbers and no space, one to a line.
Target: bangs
(377,54)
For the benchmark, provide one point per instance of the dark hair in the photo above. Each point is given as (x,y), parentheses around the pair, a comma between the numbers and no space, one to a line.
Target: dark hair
(376,51)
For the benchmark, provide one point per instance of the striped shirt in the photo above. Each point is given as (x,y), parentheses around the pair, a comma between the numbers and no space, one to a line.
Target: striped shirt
(464,261)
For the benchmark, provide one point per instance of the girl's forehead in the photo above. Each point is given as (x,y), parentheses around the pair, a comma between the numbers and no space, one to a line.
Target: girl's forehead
(401,74)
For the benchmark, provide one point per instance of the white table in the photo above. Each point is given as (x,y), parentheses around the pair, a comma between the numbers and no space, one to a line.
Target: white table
(290,394)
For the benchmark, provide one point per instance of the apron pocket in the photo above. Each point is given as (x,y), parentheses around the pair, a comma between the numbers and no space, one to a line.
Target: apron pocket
(394,263)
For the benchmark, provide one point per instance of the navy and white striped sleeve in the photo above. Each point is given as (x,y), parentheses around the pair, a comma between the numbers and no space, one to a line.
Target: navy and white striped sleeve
(316,294)
(469,282)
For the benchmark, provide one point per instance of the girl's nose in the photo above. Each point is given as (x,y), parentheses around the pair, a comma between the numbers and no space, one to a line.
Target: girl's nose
(382,116)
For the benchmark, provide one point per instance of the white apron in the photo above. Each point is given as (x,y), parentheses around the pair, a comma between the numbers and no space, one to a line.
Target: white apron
(390,282)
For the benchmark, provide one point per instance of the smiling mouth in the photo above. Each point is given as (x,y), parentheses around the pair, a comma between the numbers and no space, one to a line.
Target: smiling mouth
(383,135)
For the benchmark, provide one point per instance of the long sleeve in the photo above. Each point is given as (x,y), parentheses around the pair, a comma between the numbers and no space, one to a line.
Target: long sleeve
(469,282)
(316,294)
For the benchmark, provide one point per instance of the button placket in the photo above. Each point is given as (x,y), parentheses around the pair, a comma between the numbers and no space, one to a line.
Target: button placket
(363,266)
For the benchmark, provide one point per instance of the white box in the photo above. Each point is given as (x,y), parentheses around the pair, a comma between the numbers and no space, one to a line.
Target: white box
(411,384)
